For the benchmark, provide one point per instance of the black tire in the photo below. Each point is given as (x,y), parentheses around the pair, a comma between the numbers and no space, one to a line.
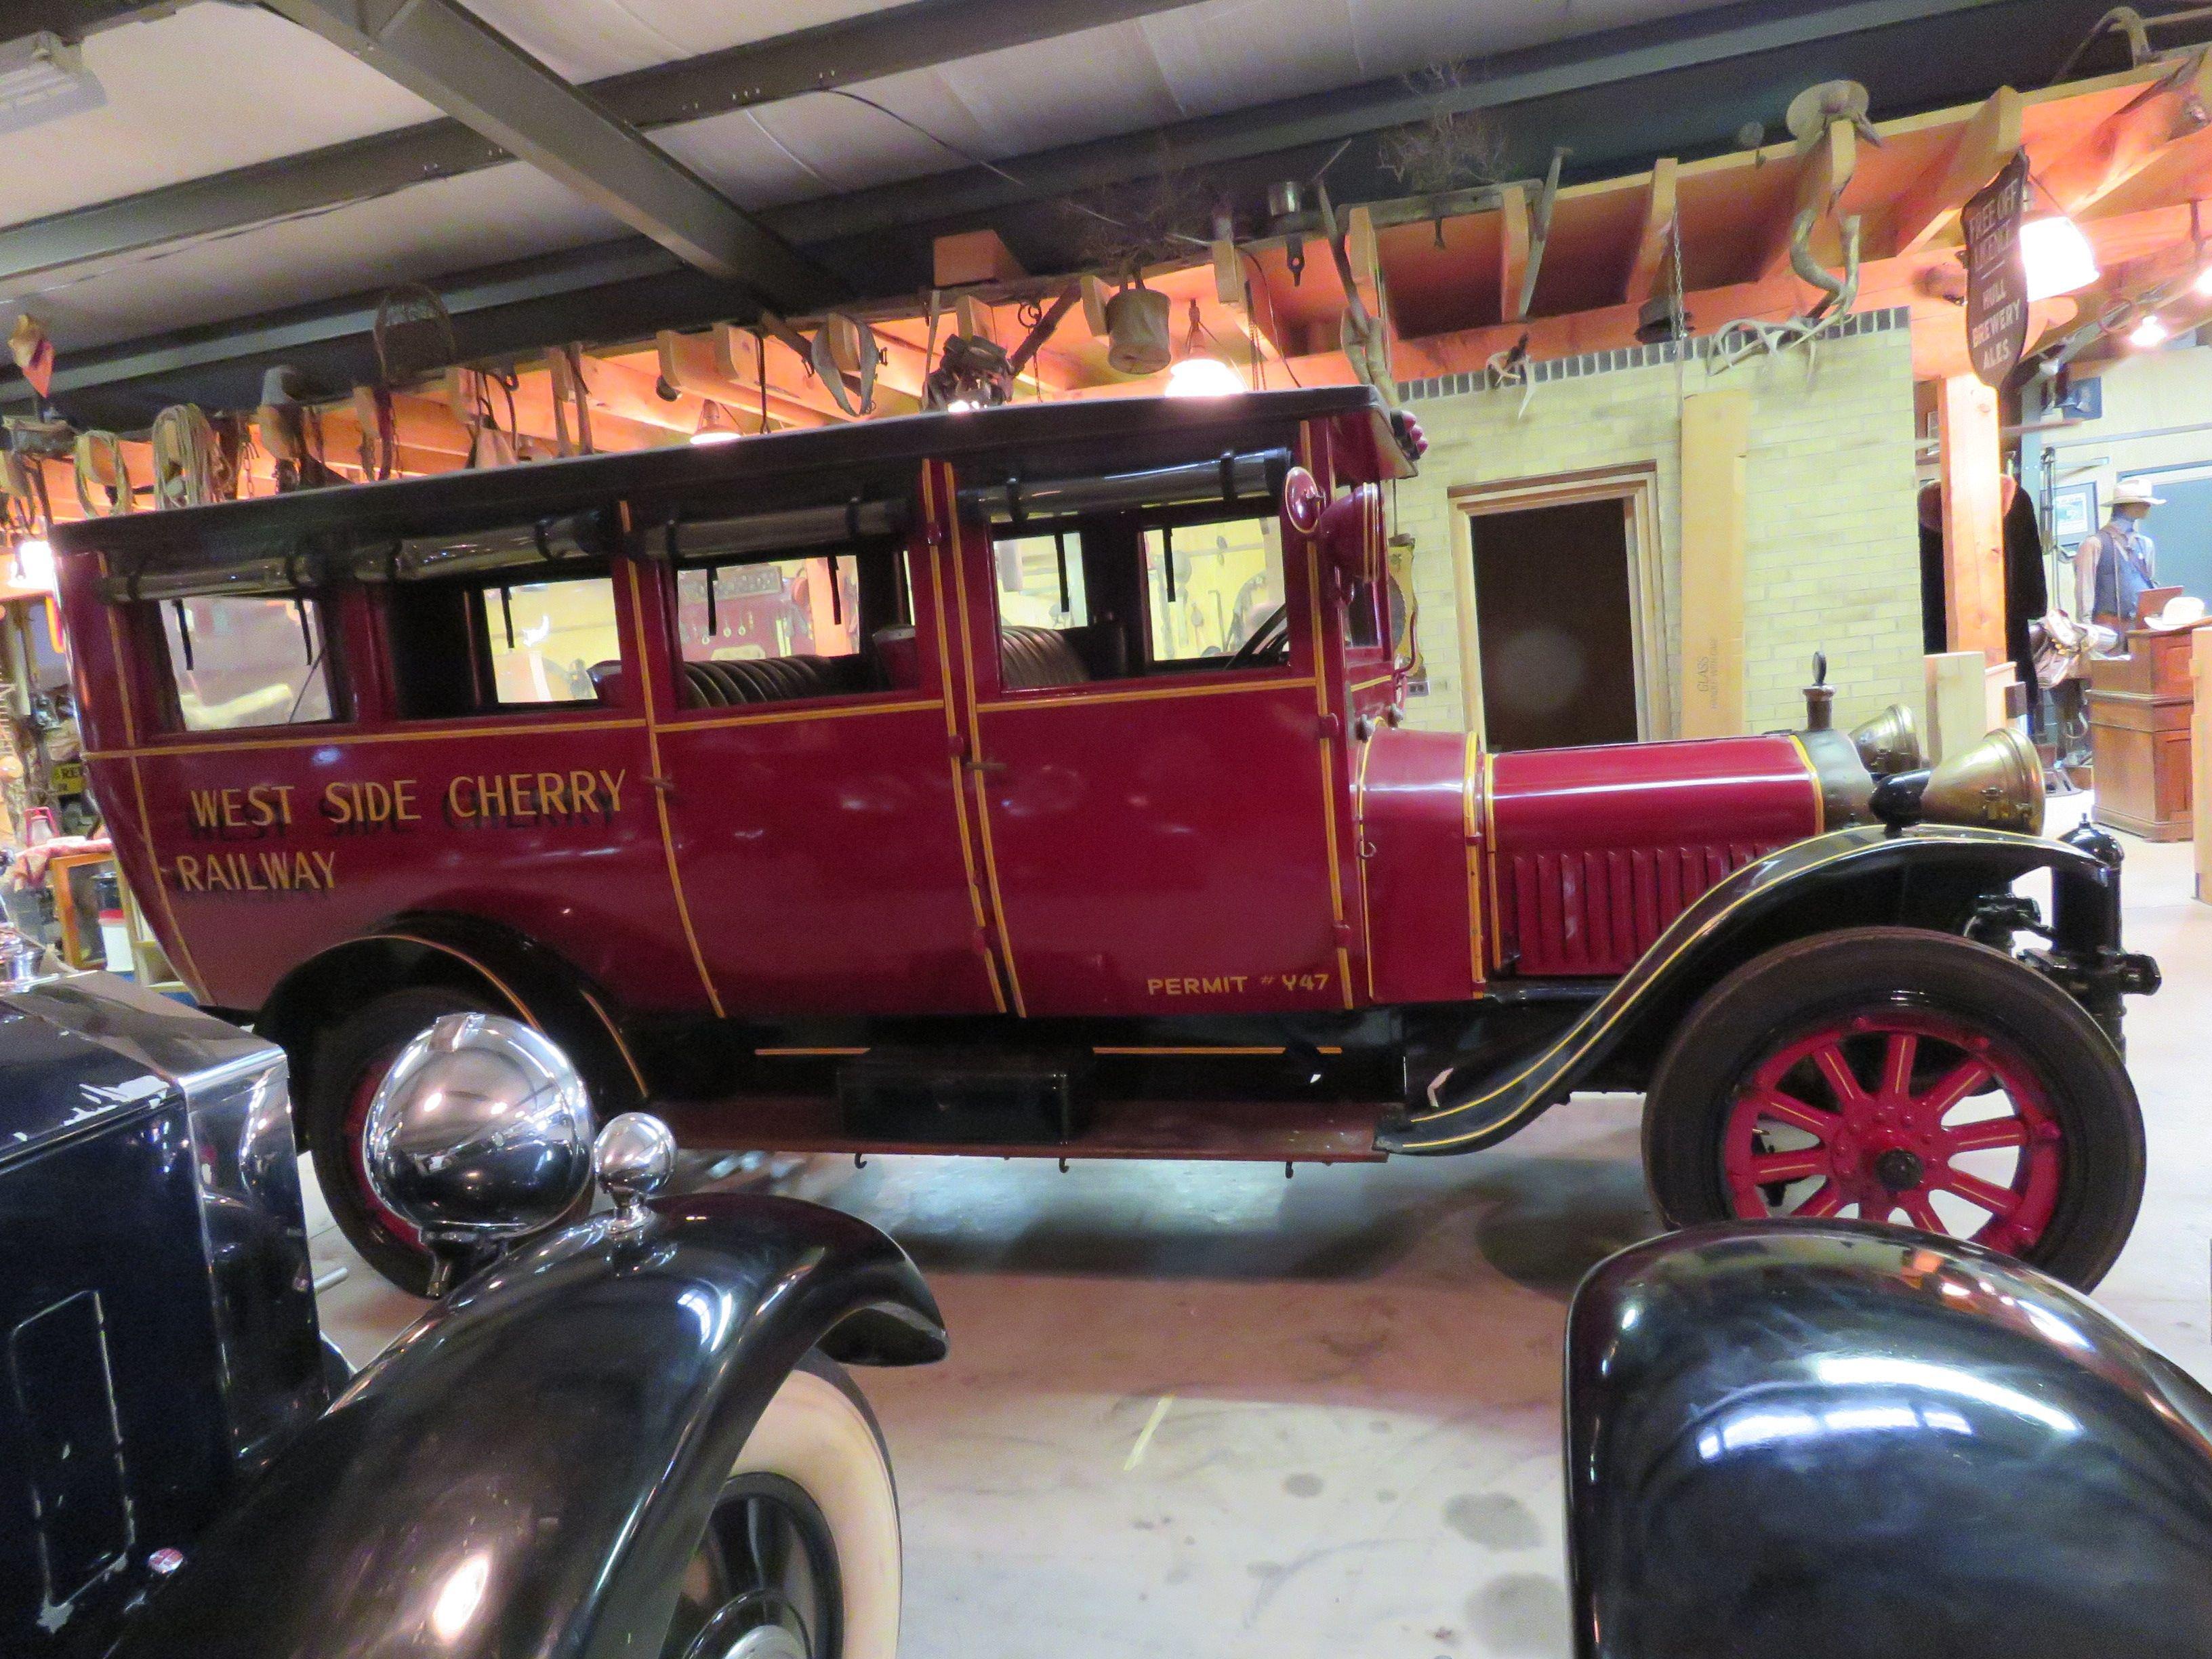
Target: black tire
(814,1469)
(347,1058)
(1853,989)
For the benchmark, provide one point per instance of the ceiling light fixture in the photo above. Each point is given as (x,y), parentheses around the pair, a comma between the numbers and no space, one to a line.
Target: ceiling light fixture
(43,78)
(2058,257)
(2151,332)
(2204,283)
(34,564)
(715,426)
(1201,371)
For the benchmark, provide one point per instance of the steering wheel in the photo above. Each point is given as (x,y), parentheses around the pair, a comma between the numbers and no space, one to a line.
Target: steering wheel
(1271,636)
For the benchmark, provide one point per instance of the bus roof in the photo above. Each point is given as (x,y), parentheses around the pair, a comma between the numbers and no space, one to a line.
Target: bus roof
(538,489)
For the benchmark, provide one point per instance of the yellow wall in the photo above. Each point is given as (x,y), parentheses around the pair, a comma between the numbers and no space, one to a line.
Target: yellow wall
(1831,540)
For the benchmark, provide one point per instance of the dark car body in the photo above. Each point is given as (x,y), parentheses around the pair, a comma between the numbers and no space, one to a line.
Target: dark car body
(173,1475)
(1843,1441)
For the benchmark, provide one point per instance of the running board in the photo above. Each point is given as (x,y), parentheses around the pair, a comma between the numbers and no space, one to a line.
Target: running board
(1245,1131)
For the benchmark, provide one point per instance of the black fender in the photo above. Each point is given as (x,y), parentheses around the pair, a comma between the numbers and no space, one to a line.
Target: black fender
(1847,1440)
(540,986)
(1928,875)
(559,1428)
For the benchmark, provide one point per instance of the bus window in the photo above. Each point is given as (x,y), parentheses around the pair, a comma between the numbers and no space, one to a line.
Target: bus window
(241,662)
(543,637)
(1227,582)
(781,608)
(1041,581)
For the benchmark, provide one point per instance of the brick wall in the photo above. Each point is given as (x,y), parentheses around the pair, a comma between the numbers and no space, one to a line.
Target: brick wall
(1832,555)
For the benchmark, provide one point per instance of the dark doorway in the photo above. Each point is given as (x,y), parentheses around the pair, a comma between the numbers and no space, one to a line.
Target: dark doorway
(1557,625)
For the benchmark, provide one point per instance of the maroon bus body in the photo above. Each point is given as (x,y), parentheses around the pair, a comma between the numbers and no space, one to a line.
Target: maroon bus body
(1213,842)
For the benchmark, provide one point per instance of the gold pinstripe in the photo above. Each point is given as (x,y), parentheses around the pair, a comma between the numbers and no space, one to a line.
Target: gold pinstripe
(952,736)
(661,800)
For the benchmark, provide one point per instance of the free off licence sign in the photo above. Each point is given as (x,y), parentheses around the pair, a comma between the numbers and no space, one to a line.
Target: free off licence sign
(1997,278)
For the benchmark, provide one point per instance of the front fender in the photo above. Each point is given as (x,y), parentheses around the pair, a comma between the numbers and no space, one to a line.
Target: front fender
(1807,886)
(1844,1439)
(528,1468)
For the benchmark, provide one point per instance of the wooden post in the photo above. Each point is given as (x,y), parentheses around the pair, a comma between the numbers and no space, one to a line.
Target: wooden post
(1974,519)
(2200,759)
(1716,446)
(1958,702)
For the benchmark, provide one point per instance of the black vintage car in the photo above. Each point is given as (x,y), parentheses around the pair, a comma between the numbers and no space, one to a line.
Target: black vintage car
(1839,1440)
(629,1436)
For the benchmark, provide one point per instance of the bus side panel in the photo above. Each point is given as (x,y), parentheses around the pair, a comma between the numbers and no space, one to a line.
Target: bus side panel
(270,851)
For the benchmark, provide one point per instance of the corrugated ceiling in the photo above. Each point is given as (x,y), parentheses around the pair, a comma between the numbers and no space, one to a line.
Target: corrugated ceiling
(215,87)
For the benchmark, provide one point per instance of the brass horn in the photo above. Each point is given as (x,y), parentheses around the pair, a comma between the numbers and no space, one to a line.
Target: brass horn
(1890,742)
(1996,784)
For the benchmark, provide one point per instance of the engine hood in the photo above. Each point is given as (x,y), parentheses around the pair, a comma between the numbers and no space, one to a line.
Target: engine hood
(1596,850)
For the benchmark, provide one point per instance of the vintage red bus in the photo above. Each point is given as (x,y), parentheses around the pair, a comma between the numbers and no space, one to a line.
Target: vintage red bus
(1033,781)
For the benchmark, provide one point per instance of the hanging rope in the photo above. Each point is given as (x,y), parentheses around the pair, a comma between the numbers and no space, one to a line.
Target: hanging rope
(116,493)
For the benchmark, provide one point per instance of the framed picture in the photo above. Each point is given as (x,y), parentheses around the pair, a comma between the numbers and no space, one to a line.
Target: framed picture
(2073,513)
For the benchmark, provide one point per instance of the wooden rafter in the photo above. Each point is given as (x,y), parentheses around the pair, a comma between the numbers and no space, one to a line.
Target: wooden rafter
(2133,136)
(1648,262)
(1927,211)
(1512,251)
(704,366)
(1824,174)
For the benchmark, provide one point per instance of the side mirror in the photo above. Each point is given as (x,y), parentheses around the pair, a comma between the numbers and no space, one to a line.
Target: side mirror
(479,1135)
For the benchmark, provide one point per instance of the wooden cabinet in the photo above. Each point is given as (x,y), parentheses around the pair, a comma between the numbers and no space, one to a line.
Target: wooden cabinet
(2139,710)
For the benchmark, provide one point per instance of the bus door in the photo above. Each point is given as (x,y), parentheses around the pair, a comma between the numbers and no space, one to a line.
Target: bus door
(1159,764)
(813,803)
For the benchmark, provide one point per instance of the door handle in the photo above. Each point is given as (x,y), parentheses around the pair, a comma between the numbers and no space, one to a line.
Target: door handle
(985,765)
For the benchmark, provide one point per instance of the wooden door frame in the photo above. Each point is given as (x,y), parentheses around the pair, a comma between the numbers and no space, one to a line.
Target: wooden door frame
(1636,489)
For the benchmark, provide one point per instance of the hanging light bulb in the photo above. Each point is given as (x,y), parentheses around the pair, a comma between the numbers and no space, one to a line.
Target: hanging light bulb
(2151,332)
(2058,256)
(1203,376)
(1199,371)
(34,564)
(715,426)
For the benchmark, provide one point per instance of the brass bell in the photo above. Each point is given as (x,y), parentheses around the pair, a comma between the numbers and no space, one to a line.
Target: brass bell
(1890,742)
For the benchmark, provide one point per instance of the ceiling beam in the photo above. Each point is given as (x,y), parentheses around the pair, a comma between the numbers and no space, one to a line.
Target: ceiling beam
(897,40)
(2133,136)
(445,54)
(1928,209)
(1512,252)
(1327,118)
(1649,262)
(1824,172)
(1689,95)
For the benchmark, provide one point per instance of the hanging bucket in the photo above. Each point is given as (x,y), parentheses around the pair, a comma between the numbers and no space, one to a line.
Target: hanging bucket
(1137,331)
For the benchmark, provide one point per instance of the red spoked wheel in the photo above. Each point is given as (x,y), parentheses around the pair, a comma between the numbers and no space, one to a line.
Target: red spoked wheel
(1899,1075)
(1903,1115)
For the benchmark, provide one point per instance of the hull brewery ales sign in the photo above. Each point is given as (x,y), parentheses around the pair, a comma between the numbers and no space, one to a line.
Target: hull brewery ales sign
(1997,279)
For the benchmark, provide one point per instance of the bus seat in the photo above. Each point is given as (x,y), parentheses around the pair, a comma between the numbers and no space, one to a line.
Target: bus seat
(733,681)
(1031,658)
(901,658)
(606,681)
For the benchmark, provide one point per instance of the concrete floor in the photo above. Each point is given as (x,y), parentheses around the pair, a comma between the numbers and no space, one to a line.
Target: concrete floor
(1201,1409)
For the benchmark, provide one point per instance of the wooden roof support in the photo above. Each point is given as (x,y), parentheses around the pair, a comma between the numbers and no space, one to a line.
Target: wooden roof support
(2133,136)
(1650,261)
(1513,251)
(1928,210)
(1539,231)
(1824,172)
(706,365)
